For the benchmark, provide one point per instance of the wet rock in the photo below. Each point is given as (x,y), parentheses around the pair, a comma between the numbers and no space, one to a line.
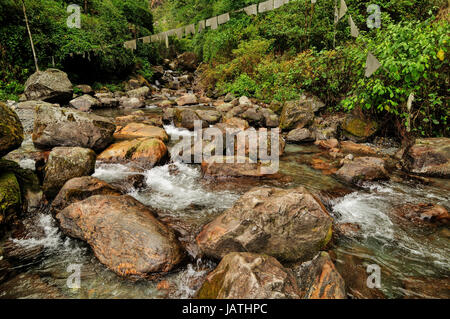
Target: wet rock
(423,214)
(347,230)
(358,129)
(187,99)
(123,233)
(29,286)
(51,86)
(85,103)
(249,276)
(300,135)
(65,163)
(80,188)
(430,157)
(299,113)
(328,144)
(67,127)
(85,89)
(10,197)
(140,93)
(319,279)
(138,130)
(363,169)
(143,153)
(232,166)
(168,115)
(427,288)
(360,149)
(290,225)
(11,130)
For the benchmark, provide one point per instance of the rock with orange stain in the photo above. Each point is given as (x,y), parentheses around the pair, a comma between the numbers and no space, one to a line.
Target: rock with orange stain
(123,234)
(163,285)
(138,130)
(143,153)
(424,214)
(319,279)
(249,276)
(328,144)
(360,149)
(290,225)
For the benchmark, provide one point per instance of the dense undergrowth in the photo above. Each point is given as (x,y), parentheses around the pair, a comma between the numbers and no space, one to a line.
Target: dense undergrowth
(280,54)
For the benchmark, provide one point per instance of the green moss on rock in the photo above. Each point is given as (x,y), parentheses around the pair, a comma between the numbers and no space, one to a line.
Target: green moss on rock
(11,130)
(10,196)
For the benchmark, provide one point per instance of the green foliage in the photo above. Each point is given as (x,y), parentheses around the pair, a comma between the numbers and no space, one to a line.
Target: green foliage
(414,57)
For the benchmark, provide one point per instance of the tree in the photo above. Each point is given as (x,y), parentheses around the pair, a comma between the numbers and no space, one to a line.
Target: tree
(29,34)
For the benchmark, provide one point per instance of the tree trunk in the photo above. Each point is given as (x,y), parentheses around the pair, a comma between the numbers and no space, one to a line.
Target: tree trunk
(29,34)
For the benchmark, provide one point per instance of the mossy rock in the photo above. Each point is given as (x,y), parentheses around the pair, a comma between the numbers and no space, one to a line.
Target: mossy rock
(11,130)
(10,196)
(358,129)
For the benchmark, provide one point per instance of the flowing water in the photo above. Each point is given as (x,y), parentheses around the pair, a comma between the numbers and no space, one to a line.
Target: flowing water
(179,195)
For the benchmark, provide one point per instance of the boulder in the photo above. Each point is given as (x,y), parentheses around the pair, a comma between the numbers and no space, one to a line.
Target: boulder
(360,149)
(363,169)
(187,61)
(140,93)
(236,122)
(80,188)
(138,130)
(224,108)
(143,153)
(123,234)
(299,113)
(85,89)
(51,86)
(65,163)
(218,167)
(429,156)
(290,225)
(131,102)
(243,100)
(270,118)
(249,276)
(68,127)
(358,129)
(10,197)
(85,103)
(11,130)
(168,115)
(328,127)
(319,279)
(300,135)
(186,118)
(187,99)
(209,116)
(27,113)
(107,100)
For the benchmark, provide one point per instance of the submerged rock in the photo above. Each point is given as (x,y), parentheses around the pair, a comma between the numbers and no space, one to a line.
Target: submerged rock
(430,157)
(51,86)
(56,126)
(123,234)
(80,188)
(319,279)
(11,130)
(65,163)
(290,225)
(249,276)
(363,169)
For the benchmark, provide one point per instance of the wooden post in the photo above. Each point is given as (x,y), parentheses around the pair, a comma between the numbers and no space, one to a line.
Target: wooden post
(29,34)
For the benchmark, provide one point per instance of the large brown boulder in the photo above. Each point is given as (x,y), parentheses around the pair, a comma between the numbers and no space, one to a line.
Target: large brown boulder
(11,130)
(429,156)
(249,276)
(51,86)
(299,113)
(123,233)
(358,128)
(319,279)
(185,117)
(80,188)
(65,163)
(290,225)
(138,130)
(363,169)
(143,153)
(56,126)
